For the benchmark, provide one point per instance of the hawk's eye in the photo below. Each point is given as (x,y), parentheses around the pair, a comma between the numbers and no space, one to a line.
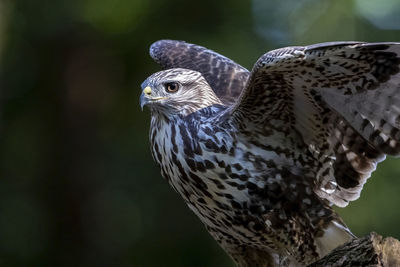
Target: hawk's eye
(171,87)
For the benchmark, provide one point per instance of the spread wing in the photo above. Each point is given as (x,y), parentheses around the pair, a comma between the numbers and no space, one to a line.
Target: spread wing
(226,77)
(342,99)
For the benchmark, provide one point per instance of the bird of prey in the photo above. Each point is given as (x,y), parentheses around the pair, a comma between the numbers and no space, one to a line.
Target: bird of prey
(261,156)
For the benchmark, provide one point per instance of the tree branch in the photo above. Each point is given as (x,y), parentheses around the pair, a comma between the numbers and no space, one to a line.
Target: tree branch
(371,250)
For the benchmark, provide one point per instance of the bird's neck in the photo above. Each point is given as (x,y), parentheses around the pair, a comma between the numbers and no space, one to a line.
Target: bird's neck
(176,137)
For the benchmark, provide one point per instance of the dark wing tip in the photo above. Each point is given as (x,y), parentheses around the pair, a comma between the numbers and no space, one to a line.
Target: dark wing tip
(331,45)
(157,48)
(365,45)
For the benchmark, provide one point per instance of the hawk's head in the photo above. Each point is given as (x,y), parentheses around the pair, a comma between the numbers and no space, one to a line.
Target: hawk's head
(177,91)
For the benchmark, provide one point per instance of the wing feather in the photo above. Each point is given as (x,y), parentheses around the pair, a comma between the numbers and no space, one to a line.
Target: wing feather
(343,98)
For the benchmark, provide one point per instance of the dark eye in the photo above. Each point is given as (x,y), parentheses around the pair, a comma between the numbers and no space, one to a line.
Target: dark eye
(171,87)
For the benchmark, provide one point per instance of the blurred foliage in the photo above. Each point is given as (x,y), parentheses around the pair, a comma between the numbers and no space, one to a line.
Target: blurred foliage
(78,186)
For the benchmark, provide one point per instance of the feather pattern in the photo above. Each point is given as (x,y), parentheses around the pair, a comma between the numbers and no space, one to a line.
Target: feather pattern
(342,98)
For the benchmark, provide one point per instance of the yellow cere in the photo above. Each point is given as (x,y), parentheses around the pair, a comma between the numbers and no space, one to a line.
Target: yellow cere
(147,90)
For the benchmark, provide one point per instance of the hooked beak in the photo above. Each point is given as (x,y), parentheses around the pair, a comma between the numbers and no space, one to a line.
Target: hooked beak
(146,98)
(143,101)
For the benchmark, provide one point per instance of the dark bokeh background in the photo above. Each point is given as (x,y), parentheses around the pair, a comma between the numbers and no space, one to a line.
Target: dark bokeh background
(78,186)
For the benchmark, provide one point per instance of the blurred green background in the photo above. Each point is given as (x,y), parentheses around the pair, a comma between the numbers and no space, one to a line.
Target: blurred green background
(78,186)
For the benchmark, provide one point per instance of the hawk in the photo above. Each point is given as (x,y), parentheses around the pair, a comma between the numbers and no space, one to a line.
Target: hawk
(262,156)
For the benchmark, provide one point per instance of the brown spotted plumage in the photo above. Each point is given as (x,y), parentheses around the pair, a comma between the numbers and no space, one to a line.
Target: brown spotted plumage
(260,157)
